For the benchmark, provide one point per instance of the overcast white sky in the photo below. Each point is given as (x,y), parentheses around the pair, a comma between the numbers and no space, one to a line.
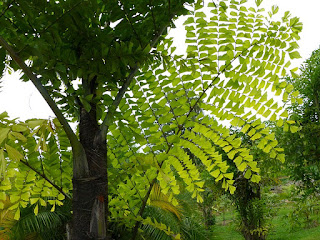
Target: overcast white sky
(22,100)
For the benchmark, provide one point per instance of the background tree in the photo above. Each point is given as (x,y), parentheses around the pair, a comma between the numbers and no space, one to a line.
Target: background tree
(248,198)
(303,147)
(131,93)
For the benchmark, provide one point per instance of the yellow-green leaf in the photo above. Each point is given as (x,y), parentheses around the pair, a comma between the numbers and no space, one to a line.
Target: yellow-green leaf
(215,173)
(36,210)
(232,189)
(247,175)
(3,134)
(255,178)
(13,153)
(17,214)
(242,167)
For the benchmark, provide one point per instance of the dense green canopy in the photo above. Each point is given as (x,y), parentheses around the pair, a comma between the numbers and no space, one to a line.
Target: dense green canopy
(106,64)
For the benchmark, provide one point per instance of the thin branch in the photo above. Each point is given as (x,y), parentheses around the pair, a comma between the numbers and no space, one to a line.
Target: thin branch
(128,19)
(12,23)
(5,10)
(37,83)
(108,119)
(152,14)
(22,11)
(144,203)
(45,178)
(61,16)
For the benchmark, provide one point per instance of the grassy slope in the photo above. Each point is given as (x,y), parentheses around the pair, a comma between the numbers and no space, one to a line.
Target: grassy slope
(225,229)
(280,230)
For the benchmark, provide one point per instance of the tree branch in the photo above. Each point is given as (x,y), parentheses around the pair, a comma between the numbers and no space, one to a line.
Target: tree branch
(108,119)
(136,227)
(45,178)
(152,14)
(128,19)
(80,164)
(6,9)
(61,16)
(37,83)
(144,203)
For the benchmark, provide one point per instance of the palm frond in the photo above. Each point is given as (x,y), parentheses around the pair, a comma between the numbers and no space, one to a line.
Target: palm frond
(161,200)
(6,219)
(163,216)
(192,230)
(45,225)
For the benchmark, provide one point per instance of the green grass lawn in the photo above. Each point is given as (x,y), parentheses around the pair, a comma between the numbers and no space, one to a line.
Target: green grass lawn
(281,229)
(226,230)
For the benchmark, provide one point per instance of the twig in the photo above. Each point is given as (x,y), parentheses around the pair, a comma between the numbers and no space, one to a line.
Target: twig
(128,19)
(61,16)
(5,10)
(152,14)
(107,120)
(45,178)
(144,203)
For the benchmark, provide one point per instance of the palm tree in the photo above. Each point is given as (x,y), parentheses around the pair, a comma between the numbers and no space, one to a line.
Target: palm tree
(46,224)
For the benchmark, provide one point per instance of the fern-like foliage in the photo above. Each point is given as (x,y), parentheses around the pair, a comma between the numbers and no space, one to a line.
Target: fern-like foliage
(235,60)
(36,164)
(233,66)
(45,225)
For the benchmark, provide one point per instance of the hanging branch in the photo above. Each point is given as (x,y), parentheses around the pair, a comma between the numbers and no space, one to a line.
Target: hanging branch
(80,162)
(45,178)
(111,111)
(44,93)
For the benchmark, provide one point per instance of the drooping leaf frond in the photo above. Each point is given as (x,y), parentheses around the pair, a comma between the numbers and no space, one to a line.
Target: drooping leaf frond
(235,57)
(174,108)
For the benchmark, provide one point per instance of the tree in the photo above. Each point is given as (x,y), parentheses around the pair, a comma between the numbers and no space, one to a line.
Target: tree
(103,44)
(302,147)
(103,66)
(248,198)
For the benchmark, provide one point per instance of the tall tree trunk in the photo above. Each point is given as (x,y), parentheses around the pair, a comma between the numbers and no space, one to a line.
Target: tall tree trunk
(90,193)
(245,196)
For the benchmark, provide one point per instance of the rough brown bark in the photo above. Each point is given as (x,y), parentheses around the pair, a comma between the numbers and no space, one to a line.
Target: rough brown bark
(90,193)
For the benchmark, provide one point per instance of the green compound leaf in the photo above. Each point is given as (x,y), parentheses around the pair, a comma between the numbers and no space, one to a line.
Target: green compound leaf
(13,153)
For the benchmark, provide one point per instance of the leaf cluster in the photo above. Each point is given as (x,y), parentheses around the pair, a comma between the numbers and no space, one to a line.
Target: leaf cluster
(234,55)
